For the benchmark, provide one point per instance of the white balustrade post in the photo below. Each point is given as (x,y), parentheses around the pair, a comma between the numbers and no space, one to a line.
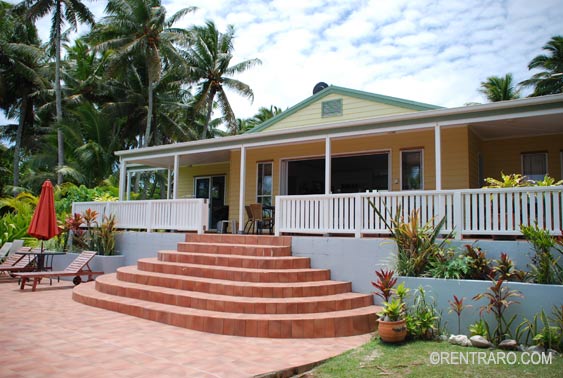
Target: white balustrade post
(458,215)
(201,216)
(277,218)
(359,215)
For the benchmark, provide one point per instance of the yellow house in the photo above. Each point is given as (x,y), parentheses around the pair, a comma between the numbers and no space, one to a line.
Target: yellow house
(341,140)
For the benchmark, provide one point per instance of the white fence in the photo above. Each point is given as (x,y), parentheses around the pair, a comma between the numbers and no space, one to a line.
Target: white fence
(181,214)
(466,212)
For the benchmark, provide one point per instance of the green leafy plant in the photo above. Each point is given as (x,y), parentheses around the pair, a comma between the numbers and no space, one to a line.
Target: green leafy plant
(393,310)
(446,264)
(479,328)
(499,299)
(458,306)
(545,268)
(477,262)
(548,181)
(422,317)
(384,284)
(416,243)
(506,181)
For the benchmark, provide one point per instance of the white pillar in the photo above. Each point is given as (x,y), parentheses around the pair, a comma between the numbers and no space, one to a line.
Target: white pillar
(122,178)
(438,156)
(328,165)
(242,193)
(168,183)
(129,174)
(176,175)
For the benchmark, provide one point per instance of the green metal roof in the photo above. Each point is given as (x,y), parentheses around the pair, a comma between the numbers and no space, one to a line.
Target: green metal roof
(333,89)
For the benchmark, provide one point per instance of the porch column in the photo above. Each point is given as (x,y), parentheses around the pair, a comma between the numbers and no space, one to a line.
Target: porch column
(242,193)
(122,178)
(168,183)
(176,174)
(128,197)
(328,164)
(438,156)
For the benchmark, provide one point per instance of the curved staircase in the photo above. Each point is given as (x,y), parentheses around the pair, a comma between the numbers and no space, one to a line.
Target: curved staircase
(242,285)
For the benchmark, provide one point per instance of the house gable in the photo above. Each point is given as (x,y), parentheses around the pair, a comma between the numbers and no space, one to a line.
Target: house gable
(336,104)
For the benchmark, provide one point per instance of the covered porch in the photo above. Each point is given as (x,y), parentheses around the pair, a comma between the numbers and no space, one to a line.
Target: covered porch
(327,174)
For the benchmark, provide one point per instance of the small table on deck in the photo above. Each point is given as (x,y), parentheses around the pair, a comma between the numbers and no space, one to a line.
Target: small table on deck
(44,259)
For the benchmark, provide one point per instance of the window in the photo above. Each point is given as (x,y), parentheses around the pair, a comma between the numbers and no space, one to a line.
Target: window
(534,165)
(332,108)
(264,187)
(411,170)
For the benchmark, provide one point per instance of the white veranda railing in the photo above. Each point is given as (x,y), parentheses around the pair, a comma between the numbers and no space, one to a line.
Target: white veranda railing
(467,212)
(180,214)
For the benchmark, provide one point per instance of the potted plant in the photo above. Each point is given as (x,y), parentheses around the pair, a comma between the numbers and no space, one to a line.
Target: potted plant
(392,324)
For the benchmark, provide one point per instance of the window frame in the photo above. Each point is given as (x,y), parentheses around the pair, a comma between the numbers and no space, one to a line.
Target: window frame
(524,154)
(421,150)
(258,171)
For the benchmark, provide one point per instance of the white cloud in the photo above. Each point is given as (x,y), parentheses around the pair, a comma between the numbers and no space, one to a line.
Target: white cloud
(434,51)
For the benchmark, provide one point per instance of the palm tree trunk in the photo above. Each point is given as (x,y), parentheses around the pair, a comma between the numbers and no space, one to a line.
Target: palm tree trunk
(149,112)
(17,147)
(58,97)
(208,116)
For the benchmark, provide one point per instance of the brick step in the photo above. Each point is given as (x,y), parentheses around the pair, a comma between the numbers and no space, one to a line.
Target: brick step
(235,249)
(239,239)
(326,324)
(109,284)
(233,274)
(236,288)
(237,261)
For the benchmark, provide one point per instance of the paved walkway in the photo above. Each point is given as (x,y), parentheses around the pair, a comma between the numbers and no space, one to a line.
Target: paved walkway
(46,334)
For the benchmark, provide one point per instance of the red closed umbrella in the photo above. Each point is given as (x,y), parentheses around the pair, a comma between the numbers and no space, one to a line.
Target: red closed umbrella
(44,222)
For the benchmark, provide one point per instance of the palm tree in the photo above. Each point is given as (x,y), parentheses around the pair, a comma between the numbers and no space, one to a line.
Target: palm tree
(72,12)
(497,88)
(550,80)
(209,56)
(139,28)
(21,79)
(264,114)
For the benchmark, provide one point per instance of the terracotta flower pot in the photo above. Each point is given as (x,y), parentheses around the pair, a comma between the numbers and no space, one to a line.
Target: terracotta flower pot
(392,332)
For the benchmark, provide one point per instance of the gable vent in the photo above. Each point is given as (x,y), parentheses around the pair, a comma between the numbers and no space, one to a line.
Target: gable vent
(332,108)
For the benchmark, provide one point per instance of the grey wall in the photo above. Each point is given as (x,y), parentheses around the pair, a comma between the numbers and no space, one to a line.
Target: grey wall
(535,298)
(137,245)
(349,259)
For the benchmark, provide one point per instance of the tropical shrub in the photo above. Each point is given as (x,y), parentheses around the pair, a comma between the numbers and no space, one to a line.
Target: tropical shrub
(68,193)
(95,236)
(457,306)
(499,299)
(422,317)
(16,216)
(517,180)
(384,284)
(446,264)
(477,263)
(545,267)
(416,243)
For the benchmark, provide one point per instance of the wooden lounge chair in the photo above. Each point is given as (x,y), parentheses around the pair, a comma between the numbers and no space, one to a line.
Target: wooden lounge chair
(15,263)
(79,267)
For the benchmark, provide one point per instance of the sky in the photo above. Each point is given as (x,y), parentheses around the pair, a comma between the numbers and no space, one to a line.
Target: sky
(431,51)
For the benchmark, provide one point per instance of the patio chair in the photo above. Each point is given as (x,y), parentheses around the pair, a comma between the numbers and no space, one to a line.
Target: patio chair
(78,267)
(251,222)
(15,263)
(260,221)
(5,249)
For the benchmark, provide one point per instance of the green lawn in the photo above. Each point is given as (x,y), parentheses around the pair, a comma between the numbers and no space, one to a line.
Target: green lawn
(412,359)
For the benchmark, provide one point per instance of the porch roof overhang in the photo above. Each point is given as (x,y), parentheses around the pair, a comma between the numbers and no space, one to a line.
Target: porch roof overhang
(506,119)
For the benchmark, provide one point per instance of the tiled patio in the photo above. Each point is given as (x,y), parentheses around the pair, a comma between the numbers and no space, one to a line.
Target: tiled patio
(46,333)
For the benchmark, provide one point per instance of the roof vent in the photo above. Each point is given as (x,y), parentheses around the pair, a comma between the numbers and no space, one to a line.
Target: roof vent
(319,87)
